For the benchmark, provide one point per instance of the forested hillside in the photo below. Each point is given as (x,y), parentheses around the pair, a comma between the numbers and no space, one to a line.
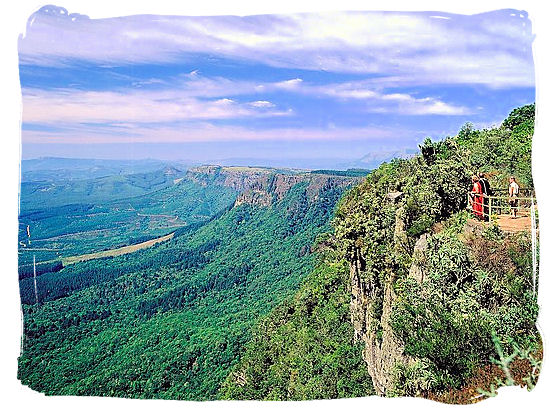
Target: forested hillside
(38,194)
(170,321)
(304,348)
(434,296)
(89,224)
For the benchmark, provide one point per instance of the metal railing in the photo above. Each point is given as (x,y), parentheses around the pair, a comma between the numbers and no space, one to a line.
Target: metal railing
(497,204)
(527,202)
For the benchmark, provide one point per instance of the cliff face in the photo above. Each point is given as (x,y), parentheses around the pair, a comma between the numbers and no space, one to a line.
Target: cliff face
(263,186)
(445,297)
(237,178)
(371,306)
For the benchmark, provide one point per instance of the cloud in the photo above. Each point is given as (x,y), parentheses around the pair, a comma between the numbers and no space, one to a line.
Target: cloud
(204,132)
(405,104)
(262,104)
(369,91)
(374,99)
(137,106)
(490,48)
(290,84)
(192,97)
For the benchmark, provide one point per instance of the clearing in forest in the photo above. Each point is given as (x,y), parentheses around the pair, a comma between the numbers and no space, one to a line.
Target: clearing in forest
(116,252)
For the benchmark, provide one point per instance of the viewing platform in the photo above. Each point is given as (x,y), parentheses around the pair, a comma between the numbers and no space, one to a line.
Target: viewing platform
(499,209)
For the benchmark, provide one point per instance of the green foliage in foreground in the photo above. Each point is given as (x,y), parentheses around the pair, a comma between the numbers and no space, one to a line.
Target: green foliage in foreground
(503,151)
(475,286)
(445,322)
(304,349)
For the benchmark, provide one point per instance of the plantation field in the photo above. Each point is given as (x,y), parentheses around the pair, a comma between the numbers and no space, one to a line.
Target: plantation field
(116,252)
(71,229)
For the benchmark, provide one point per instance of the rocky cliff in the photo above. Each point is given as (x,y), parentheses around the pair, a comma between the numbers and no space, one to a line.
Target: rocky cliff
(425,295)
(372,303)
(263,186)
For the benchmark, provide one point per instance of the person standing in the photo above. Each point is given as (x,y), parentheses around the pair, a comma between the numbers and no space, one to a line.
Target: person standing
(486,190)
(513,192)
(477,197)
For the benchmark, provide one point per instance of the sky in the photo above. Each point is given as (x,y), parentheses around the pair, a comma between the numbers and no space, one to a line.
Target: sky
(318,90)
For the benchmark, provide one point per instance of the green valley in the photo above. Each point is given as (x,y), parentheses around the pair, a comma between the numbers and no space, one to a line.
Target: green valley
(184,307)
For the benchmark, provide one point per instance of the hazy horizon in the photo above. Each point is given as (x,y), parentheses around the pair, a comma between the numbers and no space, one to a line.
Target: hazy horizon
(226,154)
(366,162)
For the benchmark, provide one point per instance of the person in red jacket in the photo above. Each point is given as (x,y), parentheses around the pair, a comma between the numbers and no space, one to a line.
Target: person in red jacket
(477,198)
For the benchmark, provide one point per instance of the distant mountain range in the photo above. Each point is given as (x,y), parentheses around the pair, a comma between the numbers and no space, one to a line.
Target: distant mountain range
(369,161)
(59,168)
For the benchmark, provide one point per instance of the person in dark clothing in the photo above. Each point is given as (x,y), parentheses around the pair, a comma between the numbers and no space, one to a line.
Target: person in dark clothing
(486,191)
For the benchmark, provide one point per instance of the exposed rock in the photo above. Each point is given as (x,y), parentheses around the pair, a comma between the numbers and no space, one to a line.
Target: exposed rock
(394,195)
(254,197)
(261,186)
(473,227)
(417,270)
(402,244)
(237,178)
(383,349)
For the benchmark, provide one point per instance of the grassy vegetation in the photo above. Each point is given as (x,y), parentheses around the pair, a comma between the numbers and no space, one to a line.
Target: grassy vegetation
(117,252)
(76,229)
(51,193)
(478,287)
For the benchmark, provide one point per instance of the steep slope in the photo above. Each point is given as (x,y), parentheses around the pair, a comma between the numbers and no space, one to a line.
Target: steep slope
(429,296)
(170,321)
(304,348)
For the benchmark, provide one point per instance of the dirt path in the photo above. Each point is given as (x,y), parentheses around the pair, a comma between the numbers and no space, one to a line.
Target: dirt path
(174,217)
(509,224)
(116,252)
(72,234)
(38,249)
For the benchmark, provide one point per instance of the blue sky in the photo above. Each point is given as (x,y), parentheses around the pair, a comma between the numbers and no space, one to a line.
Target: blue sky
(317,90)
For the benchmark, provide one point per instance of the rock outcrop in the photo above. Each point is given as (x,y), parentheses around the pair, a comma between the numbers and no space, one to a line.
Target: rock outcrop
(371,307)
(262,186)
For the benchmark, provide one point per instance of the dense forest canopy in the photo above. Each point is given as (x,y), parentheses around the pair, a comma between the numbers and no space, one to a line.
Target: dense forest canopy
(170,321)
